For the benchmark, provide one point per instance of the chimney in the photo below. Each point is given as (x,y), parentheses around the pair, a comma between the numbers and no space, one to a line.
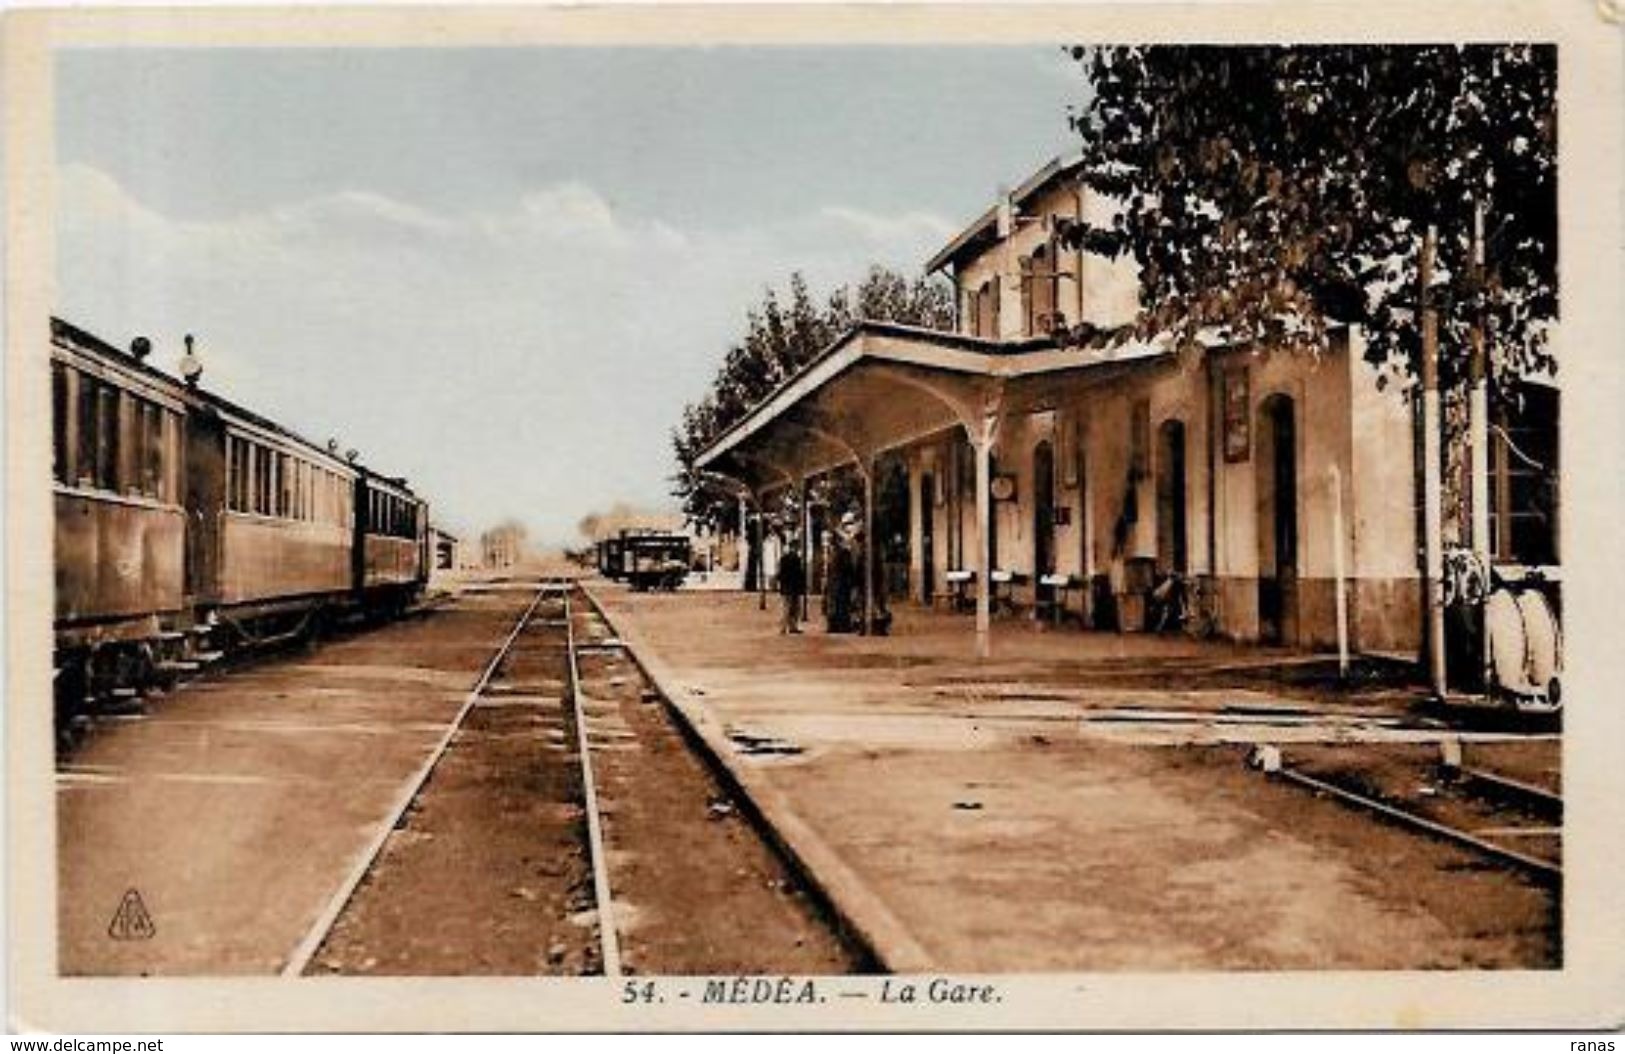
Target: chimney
(1005,222)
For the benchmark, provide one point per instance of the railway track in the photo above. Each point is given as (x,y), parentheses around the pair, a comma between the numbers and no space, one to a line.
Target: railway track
(1513,822)
(300,961)
(562,826)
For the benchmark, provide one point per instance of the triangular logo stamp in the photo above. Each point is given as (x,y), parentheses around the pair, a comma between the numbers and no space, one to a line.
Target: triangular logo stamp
(131,922)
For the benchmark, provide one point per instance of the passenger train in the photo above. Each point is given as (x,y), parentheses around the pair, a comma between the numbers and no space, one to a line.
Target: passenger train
(188,526)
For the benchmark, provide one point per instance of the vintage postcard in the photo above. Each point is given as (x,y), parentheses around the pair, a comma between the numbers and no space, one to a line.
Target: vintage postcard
(814,518)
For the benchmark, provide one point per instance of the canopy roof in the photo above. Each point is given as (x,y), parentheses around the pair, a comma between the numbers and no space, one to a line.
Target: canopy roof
(882,386)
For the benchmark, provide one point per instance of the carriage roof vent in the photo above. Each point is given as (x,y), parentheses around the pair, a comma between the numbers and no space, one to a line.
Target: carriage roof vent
(191,365)
(140,348)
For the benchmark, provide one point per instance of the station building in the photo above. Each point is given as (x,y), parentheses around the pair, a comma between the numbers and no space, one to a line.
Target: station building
(1065,480)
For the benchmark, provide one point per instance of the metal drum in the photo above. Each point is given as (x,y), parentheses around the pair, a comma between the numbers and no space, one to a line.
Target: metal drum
(1525,645)
(1504,634)
(1542,643)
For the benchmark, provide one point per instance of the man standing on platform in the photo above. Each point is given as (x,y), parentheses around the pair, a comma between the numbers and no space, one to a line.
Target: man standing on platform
(792,586)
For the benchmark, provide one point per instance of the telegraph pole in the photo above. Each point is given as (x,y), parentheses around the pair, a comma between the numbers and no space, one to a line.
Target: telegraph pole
(1478,425)
(1432,496)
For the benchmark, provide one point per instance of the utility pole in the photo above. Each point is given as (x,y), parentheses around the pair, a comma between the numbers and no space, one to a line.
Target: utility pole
(1478,425)
(1432,497)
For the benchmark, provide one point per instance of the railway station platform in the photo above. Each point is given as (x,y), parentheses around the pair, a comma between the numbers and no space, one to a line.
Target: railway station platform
(1076,802)
(235,806)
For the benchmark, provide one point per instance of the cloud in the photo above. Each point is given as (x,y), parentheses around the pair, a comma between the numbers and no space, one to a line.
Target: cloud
(525,361)
(908,228)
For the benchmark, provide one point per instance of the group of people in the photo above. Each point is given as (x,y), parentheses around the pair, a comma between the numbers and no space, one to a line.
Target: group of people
(844,570)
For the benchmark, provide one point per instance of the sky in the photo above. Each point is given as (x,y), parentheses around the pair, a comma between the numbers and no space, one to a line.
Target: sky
(503,272)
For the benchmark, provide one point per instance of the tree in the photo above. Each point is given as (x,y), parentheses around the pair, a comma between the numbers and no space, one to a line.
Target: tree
(777,342)
(1266,192)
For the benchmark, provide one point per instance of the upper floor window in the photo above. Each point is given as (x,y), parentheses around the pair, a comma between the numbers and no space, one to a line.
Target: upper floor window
(982,309)
(1040,290)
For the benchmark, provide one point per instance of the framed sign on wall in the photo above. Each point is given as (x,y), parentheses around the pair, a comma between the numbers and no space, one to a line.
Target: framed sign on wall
(1237,430)
(1071,448)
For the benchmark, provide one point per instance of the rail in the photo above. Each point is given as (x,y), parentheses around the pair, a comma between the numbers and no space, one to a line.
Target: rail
(609,940)
(299,961)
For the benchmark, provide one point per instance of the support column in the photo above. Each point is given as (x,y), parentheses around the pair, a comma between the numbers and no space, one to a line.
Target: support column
(742,540)
(760,550)
(983,446)
(806,546)
(868,544)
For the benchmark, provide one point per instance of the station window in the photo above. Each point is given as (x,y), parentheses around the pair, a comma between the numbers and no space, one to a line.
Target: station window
(1524,480)
(985,309)
(1040,288)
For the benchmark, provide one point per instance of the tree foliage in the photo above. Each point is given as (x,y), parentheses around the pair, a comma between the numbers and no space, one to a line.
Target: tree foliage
(782,335)
(1267,191)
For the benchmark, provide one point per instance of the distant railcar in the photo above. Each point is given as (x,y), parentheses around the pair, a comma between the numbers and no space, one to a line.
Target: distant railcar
(186,525)
(609,558)
(647,560)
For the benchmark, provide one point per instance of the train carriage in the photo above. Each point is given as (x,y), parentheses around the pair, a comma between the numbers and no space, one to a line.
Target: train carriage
(117,465)
(272,514)
(180,513)
(391,540)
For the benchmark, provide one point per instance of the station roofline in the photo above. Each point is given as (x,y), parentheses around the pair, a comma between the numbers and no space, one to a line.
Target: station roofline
(1052,172)
(944,352)
(944,338)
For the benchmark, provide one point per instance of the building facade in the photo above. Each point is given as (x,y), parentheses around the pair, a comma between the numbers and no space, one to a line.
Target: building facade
(1071,477)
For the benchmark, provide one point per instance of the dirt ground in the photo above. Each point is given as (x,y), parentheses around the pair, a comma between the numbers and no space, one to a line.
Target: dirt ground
(979,804)
(696,891)
(490,872)
(487,873)
(236,804)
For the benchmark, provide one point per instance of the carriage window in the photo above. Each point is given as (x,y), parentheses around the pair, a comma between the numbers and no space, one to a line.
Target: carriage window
(250,474)
(262,479)
(59,422)
(107,437)
(150,422)
(85,462)
(239,474)
(284,485)
(172,456)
